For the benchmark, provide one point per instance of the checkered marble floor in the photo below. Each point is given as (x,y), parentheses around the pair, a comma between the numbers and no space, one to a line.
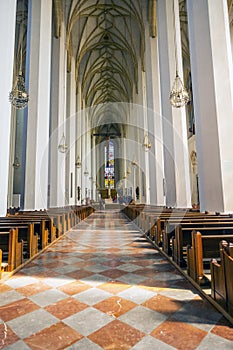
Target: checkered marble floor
(103,286)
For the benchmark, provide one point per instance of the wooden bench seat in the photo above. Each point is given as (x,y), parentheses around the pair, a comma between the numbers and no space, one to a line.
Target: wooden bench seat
(11,250)
(183,238)
(27,232)
(158,223)
(222,277)
(201,252)
(170,225)
(169,232)
(43,226)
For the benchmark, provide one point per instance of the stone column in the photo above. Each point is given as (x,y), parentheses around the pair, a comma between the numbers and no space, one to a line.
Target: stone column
(84,154)
(58,117)
(71,134)
(176,164)
(78,146)
(93,168)
(36,172)
(7,30)
(154,120)
(212,78)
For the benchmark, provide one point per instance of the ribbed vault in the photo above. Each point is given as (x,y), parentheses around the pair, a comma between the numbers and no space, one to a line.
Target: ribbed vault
(107,40)
(106,37)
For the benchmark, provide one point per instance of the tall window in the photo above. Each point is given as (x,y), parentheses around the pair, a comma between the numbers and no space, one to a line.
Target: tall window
(109,165)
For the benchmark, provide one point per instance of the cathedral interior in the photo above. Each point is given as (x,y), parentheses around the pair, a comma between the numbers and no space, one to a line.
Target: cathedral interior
(96,116)
(116,172)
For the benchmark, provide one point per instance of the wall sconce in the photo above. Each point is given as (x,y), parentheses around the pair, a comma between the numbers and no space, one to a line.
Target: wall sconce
(62,147)
(16,163)
(86,172)
(78,162)
(134,163)
(146,143)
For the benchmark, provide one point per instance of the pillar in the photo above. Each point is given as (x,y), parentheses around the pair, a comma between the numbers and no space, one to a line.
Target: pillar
(154,120)
(58,117)
(71,134)
(212,78)
(36,173)
(176,161)
(7,30)
(78,146)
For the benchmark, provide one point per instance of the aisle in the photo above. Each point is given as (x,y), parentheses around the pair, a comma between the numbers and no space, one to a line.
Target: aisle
(102,286)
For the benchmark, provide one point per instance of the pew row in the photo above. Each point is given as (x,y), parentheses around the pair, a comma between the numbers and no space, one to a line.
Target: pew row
(200,253)
(190,240)
(177,246)
(25,234)
(222,277)
(11,250)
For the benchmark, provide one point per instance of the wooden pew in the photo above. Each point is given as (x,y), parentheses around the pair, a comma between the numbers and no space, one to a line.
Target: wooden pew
(183,238)
(175,214)
(166,225)
(171,224)
(30,232)
(222,277)
(200,254)
(44,225)
(26,233)
(12,249)
(170,230)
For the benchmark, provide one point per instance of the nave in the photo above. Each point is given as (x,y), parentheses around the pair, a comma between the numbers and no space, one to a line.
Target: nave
(103,286)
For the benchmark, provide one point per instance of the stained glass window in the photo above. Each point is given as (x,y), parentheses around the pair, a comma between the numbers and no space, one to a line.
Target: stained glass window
(109,165)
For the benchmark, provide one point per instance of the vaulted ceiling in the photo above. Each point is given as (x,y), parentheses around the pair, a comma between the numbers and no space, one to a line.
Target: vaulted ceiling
(107,39)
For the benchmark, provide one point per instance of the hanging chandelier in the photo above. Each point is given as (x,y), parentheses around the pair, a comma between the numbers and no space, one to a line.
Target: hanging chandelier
(128,170)
(146,143)
(19,97)
(86,172)
(78,162)
(179,96)
(62,147)
(16,163)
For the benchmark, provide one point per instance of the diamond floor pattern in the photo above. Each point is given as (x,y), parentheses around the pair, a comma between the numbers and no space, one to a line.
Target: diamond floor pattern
(103,286)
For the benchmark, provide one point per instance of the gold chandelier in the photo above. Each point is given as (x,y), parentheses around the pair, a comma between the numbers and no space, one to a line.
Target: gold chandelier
(179,96)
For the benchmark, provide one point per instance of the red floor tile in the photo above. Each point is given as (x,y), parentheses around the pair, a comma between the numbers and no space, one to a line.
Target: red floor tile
(56,337)
(33,289)
(116,335)
(7,336)
(224,329)
(78,274)
(113,273)
(163,304)
(115,306)
(114,287)
(16,309)
(65,308)
(74,288)
(181,336)
(4,288)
